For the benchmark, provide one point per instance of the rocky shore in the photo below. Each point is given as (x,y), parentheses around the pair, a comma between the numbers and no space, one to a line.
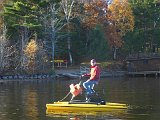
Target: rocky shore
(66,73)
(58,73)
(34,76)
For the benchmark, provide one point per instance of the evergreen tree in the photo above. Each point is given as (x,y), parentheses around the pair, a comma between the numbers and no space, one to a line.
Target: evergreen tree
(147,24)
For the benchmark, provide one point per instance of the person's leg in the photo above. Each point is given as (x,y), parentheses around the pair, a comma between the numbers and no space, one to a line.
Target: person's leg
(92,86)
(87,85)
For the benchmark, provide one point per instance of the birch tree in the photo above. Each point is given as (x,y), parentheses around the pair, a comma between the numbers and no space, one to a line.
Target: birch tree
(67,6)
(52,24)
(6,50)
(54,29)
(3,45)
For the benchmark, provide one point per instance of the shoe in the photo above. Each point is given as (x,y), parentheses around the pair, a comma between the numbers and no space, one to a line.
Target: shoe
(87,100)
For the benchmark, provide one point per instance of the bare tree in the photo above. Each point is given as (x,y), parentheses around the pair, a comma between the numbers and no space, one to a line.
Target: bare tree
(51,23)
(24,35)
(3,44)
(67,6)
(53,29)
(6,50)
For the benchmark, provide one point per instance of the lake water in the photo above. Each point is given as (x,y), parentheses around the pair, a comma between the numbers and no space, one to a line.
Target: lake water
(26,100)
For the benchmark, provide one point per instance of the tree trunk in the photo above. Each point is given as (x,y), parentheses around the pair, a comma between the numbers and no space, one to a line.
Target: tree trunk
(114,53)
(2,48)
(67,7)
(69,50)
(53,44)
(24,40)
(87,39)
(53,34)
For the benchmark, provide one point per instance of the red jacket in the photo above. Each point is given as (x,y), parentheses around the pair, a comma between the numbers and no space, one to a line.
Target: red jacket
(95,73)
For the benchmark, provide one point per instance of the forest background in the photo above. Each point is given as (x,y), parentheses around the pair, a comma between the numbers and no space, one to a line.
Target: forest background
(33,33)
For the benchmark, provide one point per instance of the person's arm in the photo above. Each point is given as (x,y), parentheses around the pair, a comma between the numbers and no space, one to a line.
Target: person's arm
(86,75)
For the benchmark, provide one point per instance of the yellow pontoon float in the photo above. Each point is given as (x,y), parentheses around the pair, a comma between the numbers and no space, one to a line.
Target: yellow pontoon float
(83,106)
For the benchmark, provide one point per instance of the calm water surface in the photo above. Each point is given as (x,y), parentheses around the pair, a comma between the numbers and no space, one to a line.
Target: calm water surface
(26,100)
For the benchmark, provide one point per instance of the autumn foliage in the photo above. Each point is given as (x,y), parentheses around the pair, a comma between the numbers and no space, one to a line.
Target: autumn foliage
(116,18)
(121,16)
(121,21)
(95,13)
(31,49)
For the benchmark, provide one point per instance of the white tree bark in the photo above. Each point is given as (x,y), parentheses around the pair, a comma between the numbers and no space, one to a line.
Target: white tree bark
(53,30)
(67,6)
(5,50)
(3,45)
(52,23)
(24,40)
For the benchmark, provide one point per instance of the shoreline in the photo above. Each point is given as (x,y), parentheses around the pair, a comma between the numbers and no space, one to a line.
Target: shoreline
(67,73)
(58,73)
(34,76)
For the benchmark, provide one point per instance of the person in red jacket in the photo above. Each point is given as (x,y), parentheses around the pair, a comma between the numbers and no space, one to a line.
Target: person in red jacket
(94,78)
